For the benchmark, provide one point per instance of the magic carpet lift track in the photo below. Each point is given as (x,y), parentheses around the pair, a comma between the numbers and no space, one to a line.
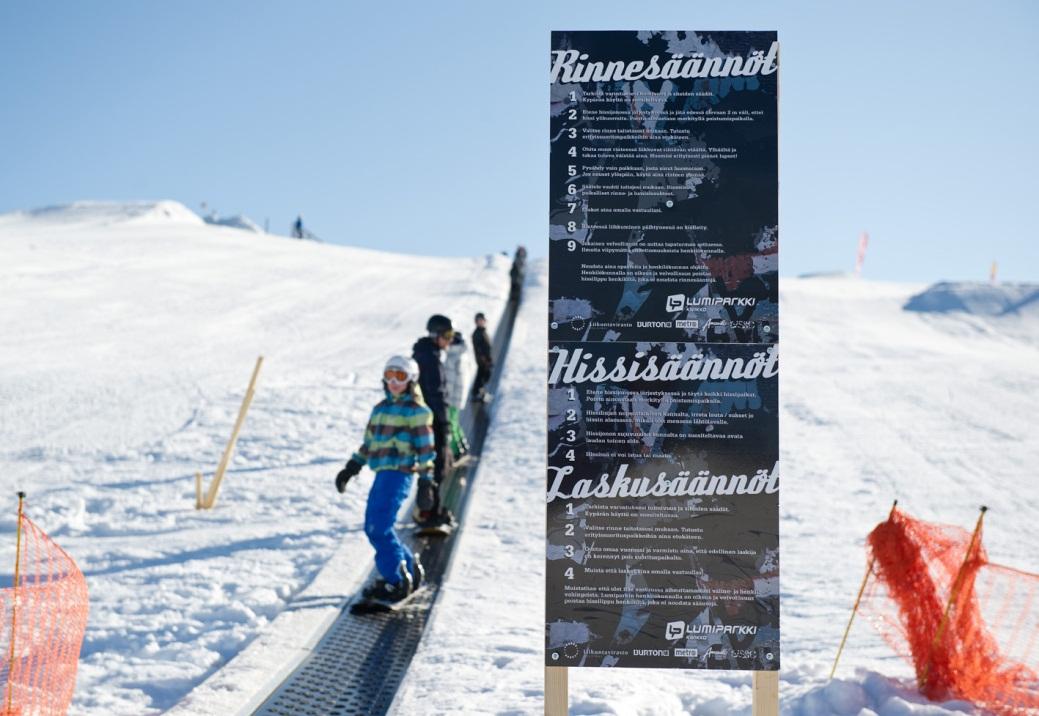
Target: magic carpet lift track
(359,663)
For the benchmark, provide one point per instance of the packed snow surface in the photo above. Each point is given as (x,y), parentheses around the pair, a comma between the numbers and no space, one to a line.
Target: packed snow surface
(130,333)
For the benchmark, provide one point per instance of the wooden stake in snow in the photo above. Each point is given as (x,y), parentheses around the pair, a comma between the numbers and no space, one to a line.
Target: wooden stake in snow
(209,500)
(14,601)
(954,594)
(858,599)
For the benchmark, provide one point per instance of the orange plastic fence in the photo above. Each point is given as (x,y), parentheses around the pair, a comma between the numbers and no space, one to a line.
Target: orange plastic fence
(42,621)
(987,649)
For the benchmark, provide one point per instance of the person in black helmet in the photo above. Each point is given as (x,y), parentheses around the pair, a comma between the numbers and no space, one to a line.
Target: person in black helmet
(484,358)
(428,353)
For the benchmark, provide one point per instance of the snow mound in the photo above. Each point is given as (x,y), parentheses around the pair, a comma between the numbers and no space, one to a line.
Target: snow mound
(238,221)
(978,299)
(870,694)
(825,274)
(106,213)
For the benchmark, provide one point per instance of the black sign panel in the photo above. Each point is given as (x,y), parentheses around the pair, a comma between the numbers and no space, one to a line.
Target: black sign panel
(663,472)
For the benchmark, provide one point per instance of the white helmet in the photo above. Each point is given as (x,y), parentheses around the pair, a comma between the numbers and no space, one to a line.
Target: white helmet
(403,363)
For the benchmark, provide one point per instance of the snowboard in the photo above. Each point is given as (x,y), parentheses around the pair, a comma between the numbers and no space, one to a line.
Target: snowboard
(464,461)
(434,530)
(374,605)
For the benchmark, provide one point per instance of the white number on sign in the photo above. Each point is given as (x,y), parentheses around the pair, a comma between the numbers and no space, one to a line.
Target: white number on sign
(570,455)
(570,530)
(572,206)
(569,550)
(571,435)
(571,414)
(571,170)
(571,189)
(571,226)
(569,572)
(571,114)
(572,152)
(573,133)
(571,245)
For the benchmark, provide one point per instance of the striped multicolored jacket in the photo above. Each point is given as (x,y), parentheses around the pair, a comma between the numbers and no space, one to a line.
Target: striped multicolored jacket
(399,435)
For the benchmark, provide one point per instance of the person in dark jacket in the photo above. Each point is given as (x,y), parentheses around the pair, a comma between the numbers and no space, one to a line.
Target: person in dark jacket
(428,352)
(484,359)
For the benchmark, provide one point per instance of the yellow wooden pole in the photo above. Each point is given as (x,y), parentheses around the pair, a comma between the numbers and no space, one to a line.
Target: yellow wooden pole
(557,697)
(766,693)
(954,593)
(858,599)
(198,490)
(218,477)
(14,602)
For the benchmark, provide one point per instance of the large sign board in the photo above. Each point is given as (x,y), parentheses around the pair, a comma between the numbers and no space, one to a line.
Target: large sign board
(663,451)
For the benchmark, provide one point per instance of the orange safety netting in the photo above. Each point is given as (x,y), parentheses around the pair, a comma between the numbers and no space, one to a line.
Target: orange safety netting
(986,650)
(42,621)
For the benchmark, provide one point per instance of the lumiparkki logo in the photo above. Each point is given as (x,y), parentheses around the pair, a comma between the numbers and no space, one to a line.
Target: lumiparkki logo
(678,301)
(739,629)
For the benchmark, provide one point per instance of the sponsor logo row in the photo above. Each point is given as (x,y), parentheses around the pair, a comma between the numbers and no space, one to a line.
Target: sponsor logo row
(715,324)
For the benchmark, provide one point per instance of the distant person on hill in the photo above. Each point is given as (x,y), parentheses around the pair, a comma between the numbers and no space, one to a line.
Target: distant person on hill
(456,374)
(297,228)
(428,352)
(484,359)
(398,442)
(516,272)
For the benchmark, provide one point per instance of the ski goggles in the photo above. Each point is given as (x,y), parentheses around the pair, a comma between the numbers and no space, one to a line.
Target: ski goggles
(395,375)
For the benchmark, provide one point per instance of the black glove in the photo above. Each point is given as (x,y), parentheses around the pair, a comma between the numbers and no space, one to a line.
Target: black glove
(352,468)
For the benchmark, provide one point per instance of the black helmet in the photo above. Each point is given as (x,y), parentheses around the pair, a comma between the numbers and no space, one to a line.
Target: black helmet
(438,325)
(480,317)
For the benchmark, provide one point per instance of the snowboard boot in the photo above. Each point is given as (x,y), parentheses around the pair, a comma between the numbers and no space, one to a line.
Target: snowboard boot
(418,573)
(463,448)
(384,591)
(426,498)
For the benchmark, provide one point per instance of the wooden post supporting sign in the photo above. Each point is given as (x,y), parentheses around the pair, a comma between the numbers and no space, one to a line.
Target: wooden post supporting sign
(557,697)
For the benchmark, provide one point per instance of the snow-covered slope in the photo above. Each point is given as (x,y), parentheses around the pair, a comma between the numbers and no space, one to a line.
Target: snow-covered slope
(877,403)
(129,334)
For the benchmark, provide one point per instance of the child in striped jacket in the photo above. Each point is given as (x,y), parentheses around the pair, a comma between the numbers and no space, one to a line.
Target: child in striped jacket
(398,443)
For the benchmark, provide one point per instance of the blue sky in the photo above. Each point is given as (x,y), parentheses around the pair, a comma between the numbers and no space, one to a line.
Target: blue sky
(422,127)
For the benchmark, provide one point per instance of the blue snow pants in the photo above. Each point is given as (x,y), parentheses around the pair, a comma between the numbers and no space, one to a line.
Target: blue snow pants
(390,489)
